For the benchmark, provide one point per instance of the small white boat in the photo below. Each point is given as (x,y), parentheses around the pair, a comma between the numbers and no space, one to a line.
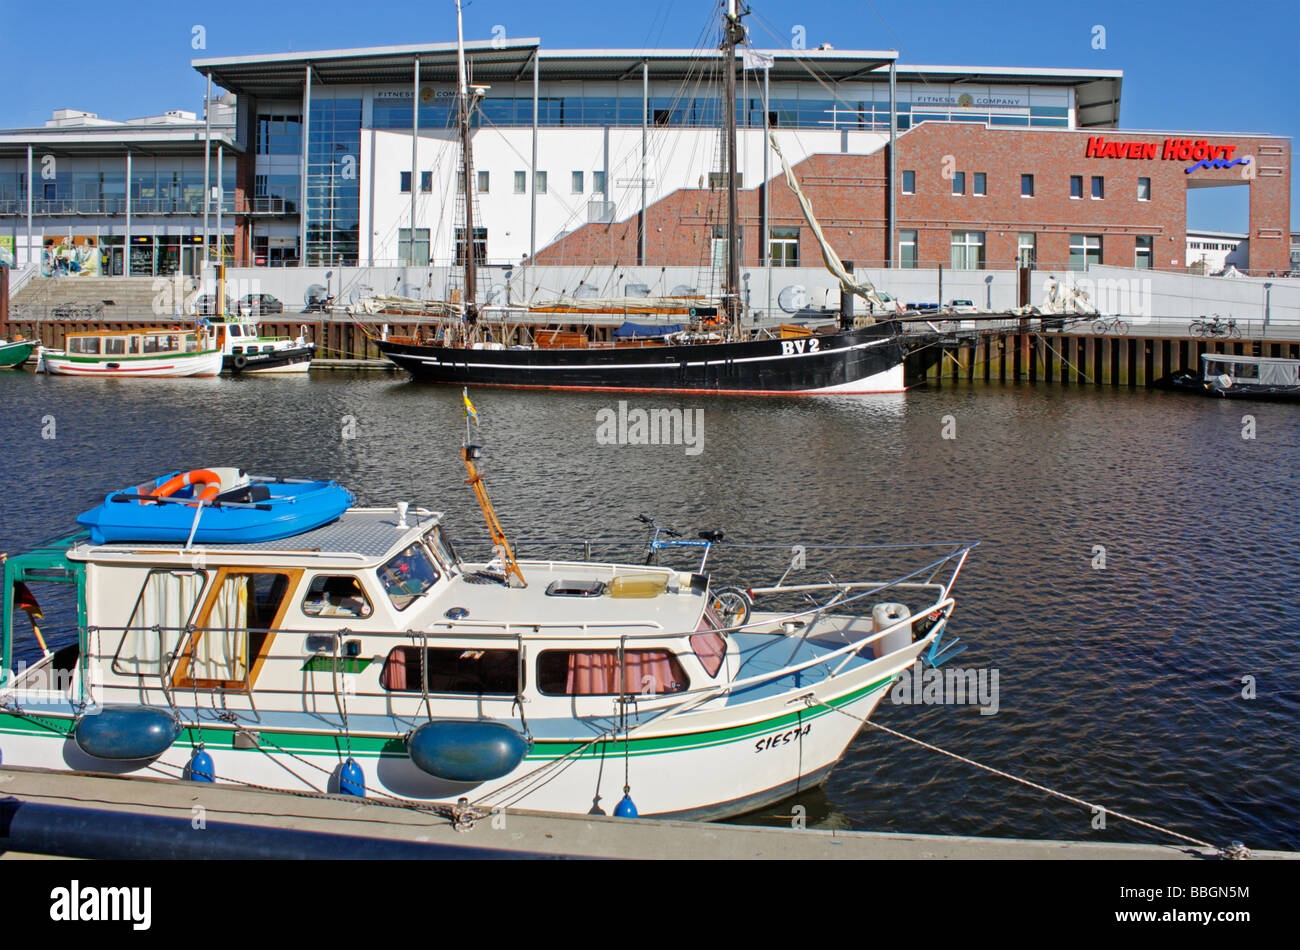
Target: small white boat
(245,351)
(368,657)
(123,354)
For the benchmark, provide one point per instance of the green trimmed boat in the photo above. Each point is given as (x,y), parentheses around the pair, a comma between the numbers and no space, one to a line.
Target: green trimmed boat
(15,353)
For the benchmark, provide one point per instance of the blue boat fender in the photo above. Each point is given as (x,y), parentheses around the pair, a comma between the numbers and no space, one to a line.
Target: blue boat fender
(126,732)
(201,768)
(351,780)
(626,808)
(466,751)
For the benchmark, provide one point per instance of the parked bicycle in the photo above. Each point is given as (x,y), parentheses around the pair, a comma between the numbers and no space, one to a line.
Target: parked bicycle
(1215,326)
(1103,325)
(74,311)
(731,605)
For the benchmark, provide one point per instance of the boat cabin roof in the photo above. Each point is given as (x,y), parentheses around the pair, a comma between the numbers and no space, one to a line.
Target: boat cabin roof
(1248,360)
(360,537)
(1262,370)
(147,331)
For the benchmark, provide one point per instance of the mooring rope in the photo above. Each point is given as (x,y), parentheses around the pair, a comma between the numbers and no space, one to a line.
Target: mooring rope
(811,701)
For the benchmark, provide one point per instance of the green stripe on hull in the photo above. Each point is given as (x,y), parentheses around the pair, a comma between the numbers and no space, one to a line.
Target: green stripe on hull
(394,747)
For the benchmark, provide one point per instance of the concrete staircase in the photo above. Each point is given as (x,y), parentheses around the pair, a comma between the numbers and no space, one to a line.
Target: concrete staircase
(123,298)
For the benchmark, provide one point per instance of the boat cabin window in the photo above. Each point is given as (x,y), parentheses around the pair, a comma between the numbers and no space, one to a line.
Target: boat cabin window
(152,344)
(707,644)
(452,670)
(115,345)
(408,575)
(234,629)
(441,548)
(167,601)
(134,347)
(595,673)
(335,596)
(236,330)
(84,344)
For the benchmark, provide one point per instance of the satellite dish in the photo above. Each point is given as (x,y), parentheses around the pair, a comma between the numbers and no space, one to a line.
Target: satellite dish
(681,290)
(636,290)
(315,293)
(792,299)
(496,295)
(586,292)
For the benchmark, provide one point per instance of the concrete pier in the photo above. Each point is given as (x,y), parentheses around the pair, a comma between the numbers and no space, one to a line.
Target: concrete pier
(532,833)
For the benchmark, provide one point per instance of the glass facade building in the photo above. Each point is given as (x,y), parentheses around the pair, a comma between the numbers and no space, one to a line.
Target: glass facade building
(333,197)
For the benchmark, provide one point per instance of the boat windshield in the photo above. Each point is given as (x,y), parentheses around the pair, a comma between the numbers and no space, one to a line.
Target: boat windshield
(441,547)
(408,575)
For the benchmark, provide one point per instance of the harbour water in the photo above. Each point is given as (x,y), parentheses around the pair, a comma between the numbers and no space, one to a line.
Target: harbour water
(1135,577)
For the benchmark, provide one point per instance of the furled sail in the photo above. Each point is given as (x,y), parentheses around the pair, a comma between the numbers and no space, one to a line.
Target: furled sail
(866,290)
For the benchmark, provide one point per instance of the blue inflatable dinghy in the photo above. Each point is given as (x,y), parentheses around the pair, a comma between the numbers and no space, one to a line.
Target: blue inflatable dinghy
(216,506)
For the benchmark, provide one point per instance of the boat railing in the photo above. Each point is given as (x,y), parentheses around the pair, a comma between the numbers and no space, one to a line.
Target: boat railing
(185,640)
(654,707)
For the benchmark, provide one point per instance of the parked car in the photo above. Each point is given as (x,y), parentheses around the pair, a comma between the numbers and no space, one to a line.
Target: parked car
(254,304)
(206,305)
(962,306)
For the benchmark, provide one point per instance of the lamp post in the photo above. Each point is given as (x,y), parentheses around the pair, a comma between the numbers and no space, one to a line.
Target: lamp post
(1268,294)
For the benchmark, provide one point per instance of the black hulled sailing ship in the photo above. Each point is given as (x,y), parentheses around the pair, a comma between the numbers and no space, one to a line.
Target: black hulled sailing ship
(714,355)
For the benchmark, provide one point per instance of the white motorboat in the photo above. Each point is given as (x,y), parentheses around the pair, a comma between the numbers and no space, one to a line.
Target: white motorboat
(368,657)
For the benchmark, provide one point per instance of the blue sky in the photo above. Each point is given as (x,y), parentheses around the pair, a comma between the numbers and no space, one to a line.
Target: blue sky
(1201,65)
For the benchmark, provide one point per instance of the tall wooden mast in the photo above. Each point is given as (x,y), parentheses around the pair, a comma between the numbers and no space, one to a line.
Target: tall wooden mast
(732,34)
(467,172)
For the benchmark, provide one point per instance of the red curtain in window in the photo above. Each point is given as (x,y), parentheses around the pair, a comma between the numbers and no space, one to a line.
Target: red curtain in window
(595,673)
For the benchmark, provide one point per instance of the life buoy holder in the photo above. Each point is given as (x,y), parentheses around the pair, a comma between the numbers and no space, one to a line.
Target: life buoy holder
(240,361)
(209,479)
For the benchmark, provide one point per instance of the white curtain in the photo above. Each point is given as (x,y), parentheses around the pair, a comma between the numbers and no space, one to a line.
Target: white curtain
(166,601)
(221,652)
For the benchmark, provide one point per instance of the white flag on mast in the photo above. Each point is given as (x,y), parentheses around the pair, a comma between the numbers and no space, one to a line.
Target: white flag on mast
(756,60)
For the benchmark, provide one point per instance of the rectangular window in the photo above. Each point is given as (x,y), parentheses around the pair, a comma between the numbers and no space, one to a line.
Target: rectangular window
(1076,186)
(968,250)
(451,670)
(959,183)
(1098,187)
(1144,252)
(577,183)
(234,629)
(980,186)
(417,256)
(1027,250)
(521,182)
(483,183)
(426,182)
(596,673)
(598,182)
(1085,249)
(480,245)
(539,182)
(719,179)
(1026,186)
(335,595)
(1144,189)
(909,183)
(907,249)
(408,575)
(405,187)
(167,601)
(784,247)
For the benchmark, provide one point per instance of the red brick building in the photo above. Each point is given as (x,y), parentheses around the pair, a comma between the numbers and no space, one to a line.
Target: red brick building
(970,195)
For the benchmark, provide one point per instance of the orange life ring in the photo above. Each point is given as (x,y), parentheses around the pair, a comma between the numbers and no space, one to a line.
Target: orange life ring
(210,481)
